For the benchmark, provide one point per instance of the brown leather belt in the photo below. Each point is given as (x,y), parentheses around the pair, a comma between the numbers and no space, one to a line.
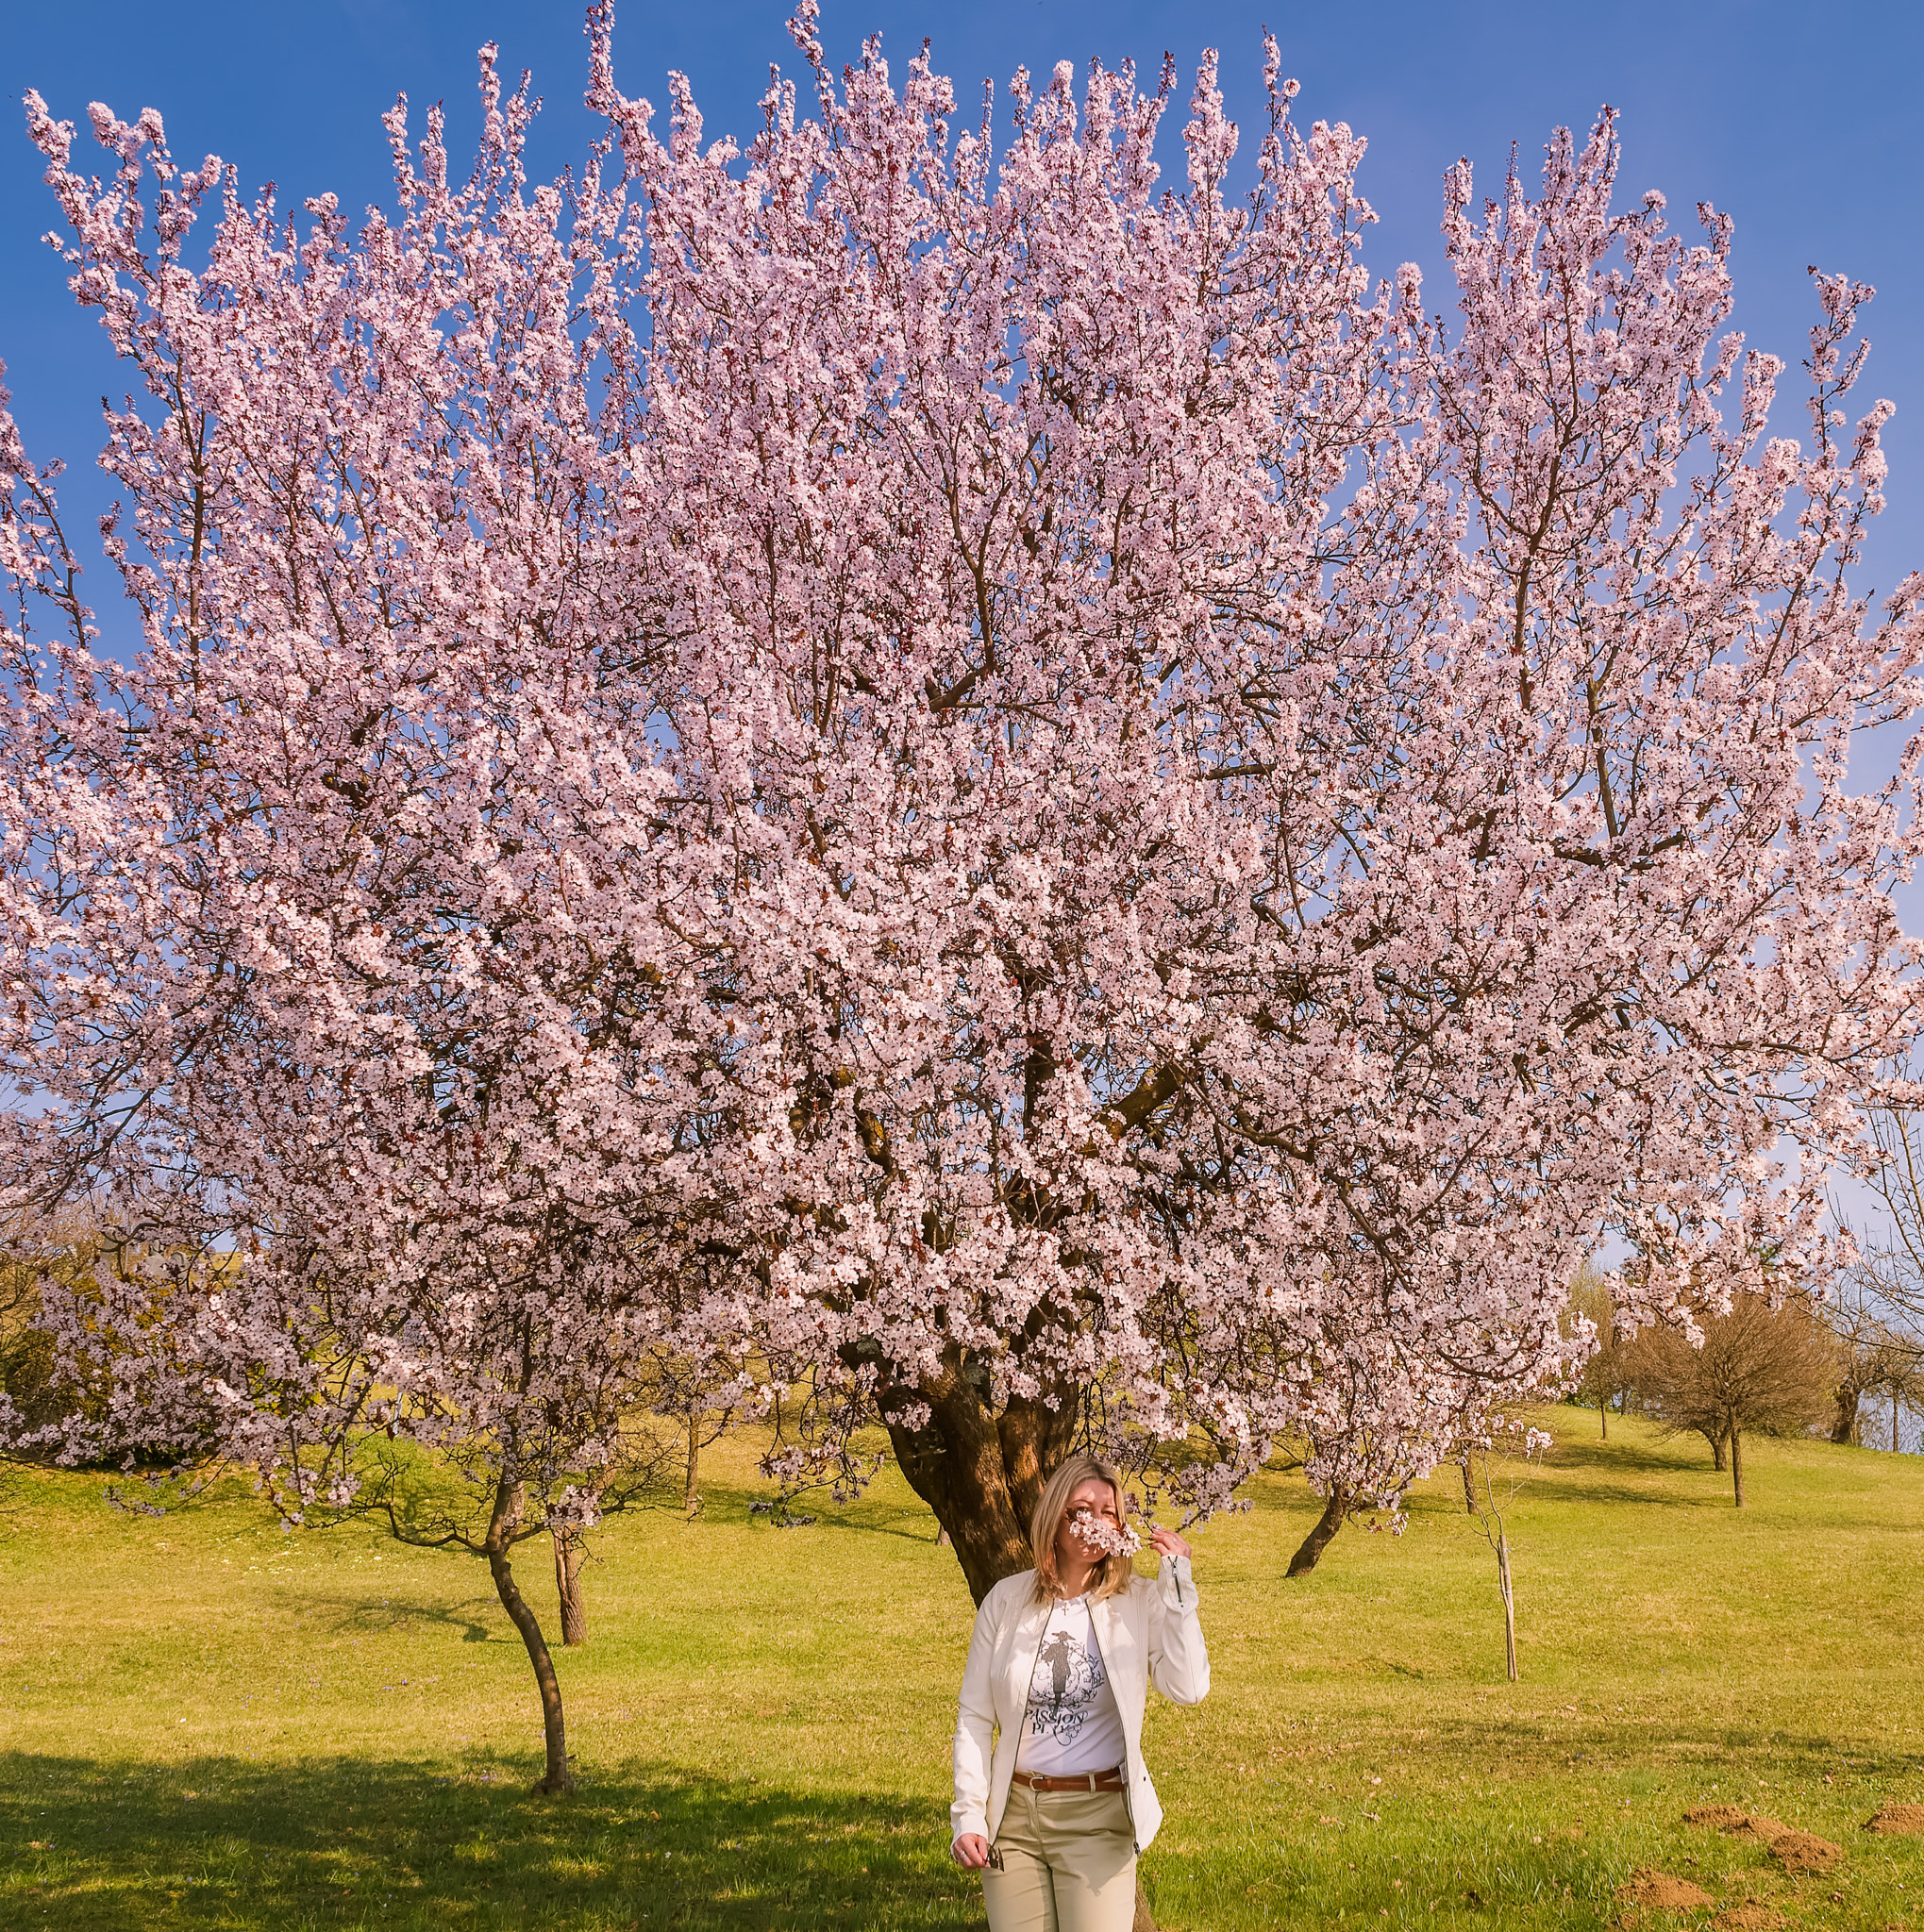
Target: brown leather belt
(1083,1781)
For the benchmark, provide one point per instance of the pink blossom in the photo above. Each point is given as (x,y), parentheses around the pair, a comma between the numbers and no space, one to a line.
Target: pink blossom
(993,791)
(1112,1538)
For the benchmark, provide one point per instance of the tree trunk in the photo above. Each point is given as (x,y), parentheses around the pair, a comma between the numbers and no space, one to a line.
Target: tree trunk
(1504,1590)
(1318,1541)
(1469,1489)
(1895,1447)
(690,1493)
(1717,1449)
(568,1588)
(982,1473)
(1737,1466)
(1603,1415)
(1843,1424)
(508,1501)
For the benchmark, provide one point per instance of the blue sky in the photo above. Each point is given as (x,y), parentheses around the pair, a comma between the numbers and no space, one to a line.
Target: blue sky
(1803,122)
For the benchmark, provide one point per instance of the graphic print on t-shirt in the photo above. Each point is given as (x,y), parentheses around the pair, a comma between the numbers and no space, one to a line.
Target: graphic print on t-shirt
(1072,1723)
(1068,1679)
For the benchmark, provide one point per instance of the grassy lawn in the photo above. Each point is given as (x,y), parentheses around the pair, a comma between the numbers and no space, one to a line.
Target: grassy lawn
(207,1723)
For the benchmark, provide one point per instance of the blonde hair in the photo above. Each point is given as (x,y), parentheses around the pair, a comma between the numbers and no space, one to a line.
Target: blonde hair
(1113,1573)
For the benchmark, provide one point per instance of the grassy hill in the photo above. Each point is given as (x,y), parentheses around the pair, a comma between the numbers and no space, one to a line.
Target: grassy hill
(209,1724)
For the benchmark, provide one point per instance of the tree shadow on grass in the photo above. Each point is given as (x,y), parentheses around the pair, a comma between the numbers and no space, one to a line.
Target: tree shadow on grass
(478,1619)
(1528,1745)
(117,1848)
(1620,1472)
(722,1502)
(1622,1458)
(1623,1493)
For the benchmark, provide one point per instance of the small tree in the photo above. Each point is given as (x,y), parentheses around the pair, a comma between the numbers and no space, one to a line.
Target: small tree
(1605,1375)
(1764,1368)
(702,1399)
(1496,1463)
(1378,1418)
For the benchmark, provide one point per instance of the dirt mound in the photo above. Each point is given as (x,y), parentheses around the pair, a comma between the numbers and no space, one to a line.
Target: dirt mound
(1664,1892)
(1899,1821)
(1750,1917)
(1768,1830)
(1722,1815)
(1803,1851)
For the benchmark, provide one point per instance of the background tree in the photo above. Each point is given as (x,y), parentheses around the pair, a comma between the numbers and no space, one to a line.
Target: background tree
(701,1400)
(1880,1318)
(1879,1353)
(1605,1375)
(1764,1368)
(35,1390)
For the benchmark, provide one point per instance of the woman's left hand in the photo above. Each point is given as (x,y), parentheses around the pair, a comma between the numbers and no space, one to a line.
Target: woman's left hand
(1166,1542)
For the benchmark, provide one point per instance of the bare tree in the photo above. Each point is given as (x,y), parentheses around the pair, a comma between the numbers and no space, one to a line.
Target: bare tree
(1892,1275)
(1495,1465)
(1879,1319)
(1877,1354)
(1606,1374)
(1760,1368)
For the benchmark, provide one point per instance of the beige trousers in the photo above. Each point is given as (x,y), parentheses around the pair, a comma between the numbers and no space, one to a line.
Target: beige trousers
(1069,1864)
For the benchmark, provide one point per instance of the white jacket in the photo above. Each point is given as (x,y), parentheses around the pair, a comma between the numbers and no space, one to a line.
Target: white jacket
(1147,1633)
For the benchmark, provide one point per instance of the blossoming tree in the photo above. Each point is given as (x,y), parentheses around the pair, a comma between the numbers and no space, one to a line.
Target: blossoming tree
(1268,824)
(334,960)
(1004,791)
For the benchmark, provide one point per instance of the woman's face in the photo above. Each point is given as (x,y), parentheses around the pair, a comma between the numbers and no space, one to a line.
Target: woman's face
(1092,1500)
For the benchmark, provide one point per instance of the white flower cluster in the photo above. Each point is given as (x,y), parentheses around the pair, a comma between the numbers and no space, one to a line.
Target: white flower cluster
(1112,1538)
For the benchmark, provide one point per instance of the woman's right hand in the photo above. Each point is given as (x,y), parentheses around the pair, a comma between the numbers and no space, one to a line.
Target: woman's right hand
(971,1850)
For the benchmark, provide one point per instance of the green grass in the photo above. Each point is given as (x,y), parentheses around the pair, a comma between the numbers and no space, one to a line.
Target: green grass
(204,1723)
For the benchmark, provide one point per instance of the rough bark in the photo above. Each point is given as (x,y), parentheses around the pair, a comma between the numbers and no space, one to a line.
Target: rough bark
(1714,1438)
(1469,1489)
(568,1588)
(1319,1538)
(1844,1424)
(982,1473)
(509,1502)
(1509,1597)
(690,1492)
(1737,1466)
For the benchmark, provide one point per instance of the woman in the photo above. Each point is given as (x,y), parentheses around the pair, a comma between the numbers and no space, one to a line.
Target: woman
(1060,1663)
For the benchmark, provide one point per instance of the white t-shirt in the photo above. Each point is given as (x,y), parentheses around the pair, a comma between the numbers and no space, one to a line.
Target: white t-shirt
(1072,1723)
